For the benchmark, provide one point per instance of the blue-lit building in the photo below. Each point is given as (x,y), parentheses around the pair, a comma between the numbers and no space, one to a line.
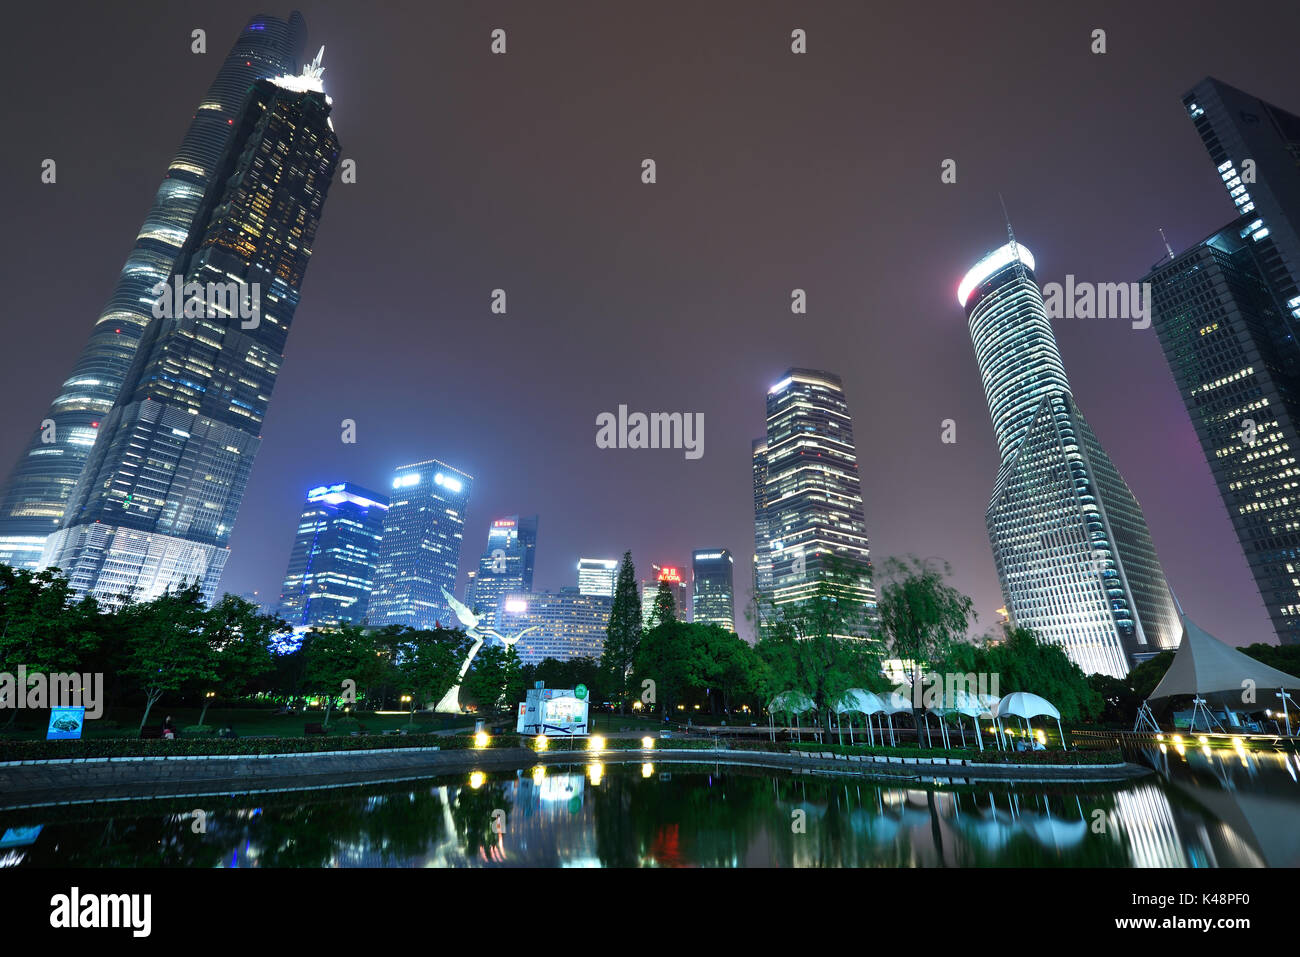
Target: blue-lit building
(506,566)
(424,529)
(157,500)
(335,550)
(712,584)
(33,499)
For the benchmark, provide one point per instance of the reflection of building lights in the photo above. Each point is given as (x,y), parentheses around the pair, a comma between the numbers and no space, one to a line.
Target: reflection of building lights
(539,775)
(540,743)
(595,743)
(647,770)
(476,780)
(481,739)
(594,771)
(647,743)
(1203,739)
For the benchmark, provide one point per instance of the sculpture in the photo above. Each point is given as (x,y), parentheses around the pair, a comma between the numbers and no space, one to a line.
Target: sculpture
(450,703)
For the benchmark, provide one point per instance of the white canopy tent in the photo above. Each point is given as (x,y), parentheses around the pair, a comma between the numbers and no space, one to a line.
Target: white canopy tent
(1026,705)
(1209,670)
(863,702)
(790,703)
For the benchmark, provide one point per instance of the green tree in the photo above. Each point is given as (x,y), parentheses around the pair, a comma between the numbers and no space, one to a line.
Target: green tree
(430,660)
(1023,663)
(41,626)
(665,607)
(921,617)
(623,634)
(167,645)
(239,636)
(493,683)
(336,659)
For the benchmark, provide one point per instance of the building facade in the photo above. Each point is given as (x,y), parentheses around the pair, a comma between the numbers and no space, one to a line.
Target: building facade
(506,566)
(1072,549)
(564,624)
(675,577)
(36,493)
(424,529)
(157,500)
(596,576)
(331,568)
(713,600)
(809,522)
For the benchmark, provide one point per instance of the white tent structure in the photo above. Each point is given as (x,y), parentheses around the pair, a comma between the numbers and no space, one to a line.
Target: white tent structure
(790,703)
(1211,671)
(859,701)
(1025,705)
(968,704)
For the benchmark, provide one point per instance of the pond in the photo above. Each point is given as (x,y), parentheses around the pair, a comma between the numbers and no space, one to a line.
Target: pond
(1200,809)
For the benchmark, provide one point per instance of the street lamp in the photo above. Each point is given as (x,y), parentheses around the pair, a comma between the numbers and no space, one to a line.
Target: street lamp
(1285,711)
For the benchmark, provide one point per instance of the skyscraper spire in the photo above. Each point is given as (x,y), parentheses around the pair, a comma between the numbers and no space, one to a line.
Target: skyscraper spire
(1011,236)
(1169,249)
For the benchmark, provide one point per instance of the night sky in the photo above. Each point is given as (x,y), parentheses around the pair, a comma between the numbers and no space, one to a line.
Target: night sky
(775,171)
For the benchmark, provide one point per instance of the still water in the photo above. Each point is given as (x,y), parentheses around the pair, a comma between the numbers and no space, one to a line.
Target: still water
(1200,809)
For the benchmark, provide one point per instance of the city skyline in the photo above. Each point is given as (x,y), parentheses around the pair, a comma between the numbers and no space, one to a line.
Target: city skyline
(921,498)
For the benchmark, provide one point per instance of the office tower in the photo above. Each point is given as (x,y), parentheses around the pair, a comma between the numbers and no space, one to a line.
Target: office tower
(677,583)
(506,565)
(596,576)
(1071,546)
(332,566)
(565,624)
(158,497)
(1225,311)
(762,565)
(1234,362)
(712,598)
(809,524)
(420,551)
(1255,147)
(36,493)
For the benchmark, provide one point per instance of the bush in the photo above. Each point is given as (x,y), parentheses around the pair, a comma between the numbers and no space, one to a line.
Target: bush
(199,731)
(345,725)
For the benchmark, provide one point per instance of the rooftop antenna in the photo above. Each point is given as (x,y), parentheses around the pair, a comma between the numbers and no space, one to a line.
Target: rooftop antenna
(1011,235)
(1169,249)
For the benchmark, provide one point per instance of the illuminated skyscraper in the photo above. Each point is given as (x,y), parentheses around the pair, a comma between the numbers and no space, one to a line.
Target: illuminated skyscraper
(506,566)
(808,513)
(158,497)
(420,551)
(1072,549)
(762,565)
(596,576)
(566,624)
(332,566)
(1226,312)
(712,591)
(36,493)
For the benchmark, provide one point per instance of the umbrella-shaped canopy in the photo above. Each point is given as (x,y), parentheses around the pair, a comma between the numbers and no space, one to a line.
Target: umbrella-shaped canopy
(898,701)
(791,702)
(961,701)
(859,701)
(1024,704)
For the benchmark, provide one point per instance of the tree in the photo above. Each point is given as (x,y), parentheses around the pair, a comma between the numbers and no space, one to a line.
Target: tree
(167,644)
(921,617)
(335,656)
(665,607)
(240,639)
(493,683)
(623,634)
(430,660)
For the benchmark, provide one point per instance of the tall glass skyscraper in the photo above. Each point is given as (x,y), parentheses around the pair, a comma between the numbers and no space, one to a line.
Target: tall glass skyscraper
(565,624)
(34,498)
(762,567)
(712,584)
(1226,312)
(1072,549)
(808,513)
(506,567)
(420,552)
(158,497)
(332,566)
(596,576)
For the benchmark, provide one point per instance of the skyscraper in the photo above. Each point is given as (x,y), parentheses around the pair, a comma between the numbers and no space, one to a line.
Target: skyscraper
(808,512)
(1226,311)
(596,576)
(1255,146)
(157,499)
(712,598)
(565,624)
(1071,546)
(36,493)
(506,567)
(762,566)
(332,565)
(675,578)
(420,551)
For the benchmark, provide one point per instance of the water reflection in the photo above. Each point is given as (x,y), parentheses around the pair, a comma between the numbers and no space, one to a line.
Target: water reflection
(1201,809)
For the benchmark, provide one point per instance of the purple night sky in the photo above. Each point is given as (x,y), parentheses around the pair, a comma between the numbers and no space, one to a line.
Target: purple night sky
(775,171)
